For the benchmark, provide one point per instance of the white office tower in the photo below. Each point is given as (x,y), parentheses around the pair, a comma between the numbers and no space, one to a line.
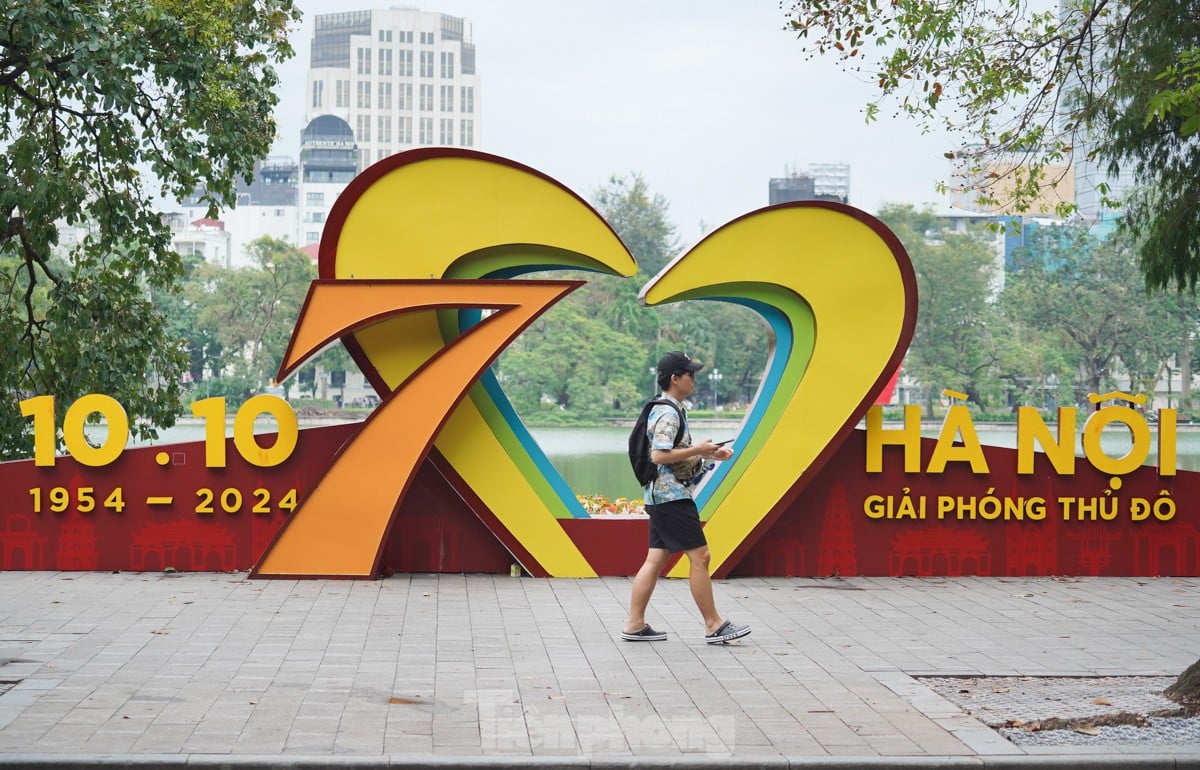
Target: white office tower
(328,162)
(399,77)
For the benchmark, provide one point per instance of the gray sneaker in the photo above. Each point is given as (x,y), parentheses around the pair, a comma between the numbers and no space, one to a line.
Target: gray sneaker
(727,633)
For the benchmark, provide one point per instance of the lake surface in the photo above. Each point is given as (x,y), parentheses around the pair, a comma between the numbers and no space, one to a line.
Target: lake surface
(593,460)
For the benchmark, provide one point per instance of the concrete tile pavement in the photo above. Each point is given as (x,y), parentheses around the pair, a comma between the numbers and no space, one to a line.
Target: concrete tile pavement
(214,670)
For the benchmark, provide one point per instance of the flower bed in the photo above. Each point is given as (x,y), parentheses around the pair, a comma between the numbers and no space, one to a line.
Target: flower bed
(599,505)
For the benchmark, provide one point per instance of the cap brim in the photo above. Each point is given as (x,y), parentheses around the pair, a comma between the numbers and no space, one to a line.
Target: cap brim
(694,366)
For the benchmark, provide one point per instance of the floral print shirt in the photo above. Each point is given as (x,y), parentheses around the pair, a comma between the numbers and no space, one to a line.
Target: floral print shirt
(661,426)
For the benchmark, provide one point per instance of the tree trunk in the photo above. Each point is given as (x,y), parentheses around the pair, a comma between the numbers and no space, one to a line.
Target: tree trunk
(1187,687)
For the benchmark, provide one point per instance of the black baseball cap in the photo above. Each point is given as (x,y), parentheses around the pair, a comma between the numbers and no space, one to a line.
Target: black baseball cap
(677,361)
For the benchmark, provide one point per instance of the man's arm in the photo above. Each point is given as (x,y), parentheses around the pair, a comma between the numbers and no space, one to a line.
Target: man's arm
(706,449)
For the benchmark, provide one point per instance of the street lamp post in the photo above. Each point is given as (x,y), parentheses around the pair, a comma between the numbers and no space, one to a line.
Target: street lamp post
(715,377)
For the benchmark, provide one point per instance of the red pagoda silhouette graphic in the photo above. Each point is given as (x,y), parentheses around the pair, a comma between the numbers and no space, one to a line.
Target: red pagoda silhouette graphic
(77,548)
(838,554)
(77,542)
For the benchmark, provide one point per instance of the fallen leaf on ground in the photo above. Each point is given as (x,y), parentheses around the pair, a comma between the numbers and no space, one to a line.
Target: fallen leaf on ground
(1087,730)
(1102,701)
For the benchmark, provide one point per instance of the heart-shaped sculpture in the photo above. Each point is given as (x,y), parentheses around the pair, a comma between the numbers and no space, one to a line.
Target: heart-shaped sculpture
(839,293)
(417,267)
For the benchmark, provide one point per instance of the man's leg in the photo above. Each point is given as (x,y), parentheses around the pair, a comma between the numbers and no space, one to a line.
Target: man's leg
(643,586)
(701,585)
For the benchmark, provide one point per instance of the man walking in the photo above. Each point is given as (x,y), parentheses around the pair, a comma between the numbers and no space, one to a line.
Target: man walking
(674,519)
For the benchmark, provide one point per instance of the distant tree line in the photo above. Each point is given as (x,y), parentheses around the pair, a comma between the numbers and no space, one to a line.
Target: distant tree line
(1073,317)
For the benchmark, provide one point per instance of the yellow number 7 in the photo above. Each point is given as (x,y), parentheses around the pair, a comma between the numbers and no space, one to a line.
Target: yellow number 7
(342,525)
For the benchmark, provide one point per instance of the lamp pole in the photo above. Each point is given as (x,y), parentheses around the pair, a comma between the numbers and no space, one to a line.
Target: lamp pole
(715,377)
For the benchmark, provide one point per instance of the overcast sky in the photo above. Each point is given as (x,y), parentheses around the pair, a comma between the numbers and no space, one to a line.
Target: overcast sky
(707,99)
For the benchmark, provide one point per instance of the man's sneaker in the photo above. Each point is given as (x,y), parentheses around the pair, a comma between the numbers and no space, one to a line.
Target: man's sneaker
(647,634)
(727,633)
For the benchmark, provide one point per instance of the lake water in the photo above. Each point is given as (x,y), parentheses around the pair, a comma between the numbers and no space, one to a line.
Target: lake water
(593,460)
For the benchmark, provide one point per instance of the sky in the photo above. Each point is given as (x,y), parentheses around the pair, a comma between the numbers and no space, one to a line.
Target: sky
(706,99)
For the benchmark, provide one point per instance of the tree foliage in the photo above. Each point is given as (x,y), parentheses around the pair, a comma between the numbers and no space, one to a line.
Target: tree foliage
(592,355)
(1075,290)
(954,345)
(103,106)
(237,323)
(1114,82)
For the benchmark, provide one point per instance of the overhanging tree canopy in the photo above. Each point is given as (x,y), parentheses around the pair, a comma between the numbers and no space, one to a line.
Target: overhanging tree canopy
(104,106)
(1115,82)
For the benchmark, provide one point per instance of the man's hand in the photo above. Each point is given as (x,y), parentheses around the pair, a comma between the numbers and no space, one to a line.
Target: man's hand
(711,451)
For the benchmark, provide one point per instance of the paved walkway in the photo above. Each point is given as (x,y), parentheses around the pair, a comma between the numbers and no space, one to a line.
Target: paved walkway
(414,671)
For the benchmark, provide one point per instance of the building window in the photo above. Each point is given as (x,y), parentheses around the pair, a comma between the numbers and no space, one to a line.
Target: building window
(314,199)
(426,98)
(317,217)
(385,96)
(426,64)
(364,94)
(405,97)
(312,237)
(380,155)
(385,36)
(447,64)
(466,133)
(318,92)
(385,61)
(404,131)
(447,98)
(343,93)
(405,64)
(363,134)
(446,132)
(426,131)
(426,38)
(467,99)
(404,36)
(385,129)
(364,61)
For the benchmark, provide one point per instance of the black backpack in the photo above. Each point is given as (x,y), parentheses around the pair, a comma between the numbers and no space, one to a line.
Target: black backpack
(639,444)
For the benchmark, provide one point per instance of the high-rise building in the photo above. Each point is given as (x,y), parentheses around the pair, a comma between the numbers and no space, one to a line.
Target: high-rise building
(820,182)
(328,162)
(399,77)
(1090,174)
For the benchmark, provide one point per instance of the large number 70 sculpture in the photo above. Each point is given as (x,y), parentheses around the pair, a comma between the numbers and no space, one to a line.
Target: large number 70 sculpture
(417,266)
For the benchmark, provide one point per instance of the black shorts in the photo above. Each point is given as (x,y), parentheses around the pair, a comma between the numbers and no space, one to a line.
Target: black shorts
(675,526)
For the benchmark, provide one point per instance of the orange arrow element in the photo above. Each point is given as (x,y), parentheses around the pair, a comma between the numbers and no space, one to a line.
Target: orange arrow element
(342,525)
